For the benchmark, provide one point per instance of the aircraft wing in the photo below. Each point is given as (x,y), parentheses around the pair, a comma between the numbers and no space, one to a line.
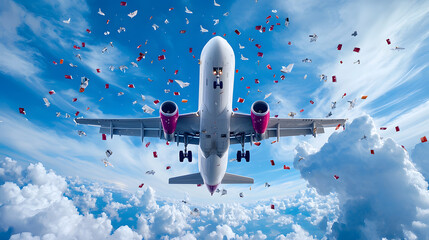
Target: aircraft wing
(188,124)
(241,125)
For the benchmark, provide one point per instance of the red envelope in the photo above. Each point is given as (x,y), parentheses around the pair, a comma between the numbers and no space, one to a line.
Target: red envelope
(271,28)
(107,86)
(161,57)
(334,79)
(98,70)
(258,46)
(51,92)
(383,128)
(286,167)
(311,101)
(131,86)
(423,139)
(339,46)
(155,155)
(190,50)
(103,137)
(302,110)
(74,99)
(258,27)
(68,76)
(388,41)
(260,54)
(257,143)
(336,177)
(22,111)
(372,151)
(397,128)
(272,206)
(83,44)
(182,31)
(240,100)
(141,185)
(77,113)
(238,32)
(269,67)
(168,167)
(89,31)
(176,72)
(256,80)
(356,49)
(123,3)
(272,162)
(156,101)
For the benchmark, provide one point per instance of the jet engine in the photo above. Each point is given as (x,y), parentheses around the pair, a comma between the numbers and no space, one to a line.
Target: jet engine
(260,114)
(169,113)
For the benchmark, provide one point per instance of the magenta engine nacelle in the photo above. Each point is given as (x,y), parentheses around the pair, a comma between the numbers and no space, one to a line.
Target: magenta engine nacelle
(169,113)
(260,114)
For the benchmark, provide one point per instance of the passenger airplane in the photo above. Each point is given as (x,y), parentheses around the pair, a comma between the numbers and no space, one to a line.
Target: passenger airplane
(214,126)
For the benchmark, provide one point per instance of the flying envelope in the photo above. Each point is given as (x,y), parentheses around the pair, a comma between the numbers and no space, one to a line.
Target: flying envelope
(155,154)
(383,128)
(148,109)
(109,152)
(269,67)
(68,76)
(388,41)
(339,46)
(187,10)
(132,14)
(272,206)
(147,144)
(141,185)
(364,97)
(22,111)
(286,167)
(372,151)
(123,3)
(272,162)
(336,177)
(156,101)
(287,69)
(182,84)
(103,137)
(356,49)
(334,79)
(423,139)
(203,29)
(244,58)
(131,86)
(240,100)
(397,128)
(51,92)
(238,32)
(47,103)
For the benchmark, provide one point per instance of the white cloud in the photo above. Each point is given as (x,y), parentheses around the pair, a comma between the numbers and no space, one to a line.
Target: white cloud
(41,208)
(379,194)
(299,233)
(420,158)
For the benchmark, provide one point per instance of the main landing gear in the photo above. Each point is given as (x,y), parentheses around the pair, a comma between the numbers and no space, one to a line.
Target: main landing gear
(243,154)
(185,154)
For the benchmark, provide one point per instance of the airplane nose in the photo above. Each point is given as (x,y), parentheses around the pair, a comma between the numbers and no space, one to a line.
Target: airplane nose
(212,188)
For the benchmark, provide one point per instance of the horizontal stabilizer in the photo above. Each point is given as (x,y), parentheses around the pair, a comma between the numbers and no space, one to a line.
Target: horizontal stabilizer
(187,179)
(236,179)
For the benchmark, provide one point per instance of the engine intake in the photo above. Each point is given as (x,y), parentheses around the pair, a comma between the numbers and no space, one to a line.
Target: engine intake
(260,114)
(169,113)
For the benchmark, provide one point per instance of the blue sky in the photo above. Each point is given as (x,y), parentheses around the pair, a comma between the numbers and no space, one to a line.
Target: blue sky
(34,35)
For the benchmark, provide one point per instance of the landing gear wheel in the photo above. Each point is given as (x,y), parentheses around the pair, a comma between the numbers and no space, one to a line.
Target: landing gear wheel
(214,84)
(221,85)
(181,156)
(189,156)
(247,157)
(238,156)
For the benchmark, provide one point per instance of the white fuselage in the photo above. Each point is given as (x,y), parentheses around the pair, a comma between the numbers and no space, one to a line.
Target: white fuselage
(215,109)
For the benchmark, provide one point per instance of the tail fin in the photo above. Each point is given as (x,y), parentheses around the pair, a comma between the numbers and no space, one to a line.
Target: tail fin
(236,179)
(187,179)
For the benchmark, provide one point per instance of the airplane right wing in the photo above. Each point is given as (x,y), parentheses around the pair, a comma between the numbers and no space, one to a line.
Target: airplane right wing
(241,126)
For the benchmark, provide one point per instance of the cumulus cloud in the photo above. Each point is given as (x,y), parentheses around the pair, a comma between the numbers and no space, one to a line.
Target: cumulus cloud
(40,208)
(380,195)
(420,158)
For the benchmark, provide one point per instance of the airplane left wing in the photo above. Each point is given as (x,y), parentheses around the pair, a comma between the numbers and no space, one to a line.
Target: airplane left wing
(187,125)
(241,126)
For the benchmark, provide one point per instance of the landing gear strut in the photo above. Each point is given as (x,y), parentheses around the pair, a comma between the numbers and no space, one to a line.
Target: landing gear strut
(243,154)
(185,154)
